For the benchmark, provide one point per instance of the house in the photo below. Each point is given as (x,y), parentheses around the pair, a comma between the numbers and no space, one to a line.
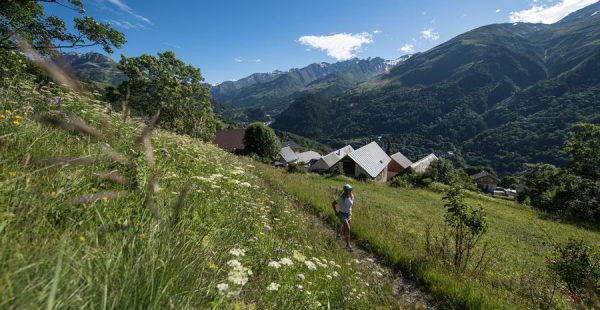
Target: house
(308,157)
(369,161)
(422,164)
(398,165)
(231,140)
(328,161)
(287,156)
(485,181)
(293,145)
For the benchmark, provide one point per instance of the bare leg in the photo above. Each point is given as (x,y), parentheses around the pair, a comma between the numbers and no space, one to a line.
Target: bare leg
(346,231)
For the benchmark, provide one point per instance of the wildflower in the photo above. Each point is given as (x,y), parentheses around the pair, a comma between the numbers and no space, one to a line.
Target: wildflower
(53,194)
(237,252)
(245,184)
(298,256)
(274,264)
(301,277)
(18,117)
(105,199)
(267,227)
(286,261)
(7,112)
(16,123)
(370,260)
(81,238)
(322,265)
(377,273)
(234,263)
(223,288)
(300,287)
(329,277)
(12,174)
(239,275)
(335,274)
(273,286)
(310,265)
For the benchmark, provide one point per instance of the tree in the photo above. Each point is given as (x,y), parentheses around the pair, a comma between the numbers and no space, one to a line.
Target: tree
(167,84)
(442,171)
(261,140)
(27,20)
(583,146)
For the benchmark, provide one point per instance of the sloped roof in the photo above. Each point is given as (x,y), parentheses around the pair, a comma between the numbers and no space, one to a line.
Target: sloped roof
(401,160)
(371,158)
(306,157)
(288,154)
(230,140)
(290,143)
(483,174)
(332,158)
(421,165)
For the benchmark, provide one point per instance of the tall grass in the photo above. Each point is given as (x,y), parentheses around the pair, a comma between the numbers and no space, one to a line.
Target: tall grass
(392,222)
(74,236)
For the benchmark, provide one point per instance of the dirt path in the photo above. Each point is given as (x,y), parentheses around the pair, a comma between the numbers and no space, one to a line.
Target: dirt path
(406,290)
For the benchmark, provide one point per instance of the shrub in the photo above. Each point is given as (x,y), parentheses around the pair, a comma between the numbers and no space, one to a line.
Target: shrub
(293,168)
(457,242)
(403,181)
(442,171)
(261,140)
(578,266)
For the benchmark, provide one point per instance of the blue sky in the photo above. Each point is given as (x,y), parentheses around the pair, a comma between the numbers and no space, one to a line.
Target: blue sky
(230,39)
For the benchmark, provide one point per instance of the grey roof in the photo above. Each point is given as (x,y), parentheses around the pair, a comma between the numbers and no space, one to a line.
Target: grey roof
(371,158)
(401,160)
(421,165)
(290,143)
(307,156)
(288,154)
(484,174)
(332,158)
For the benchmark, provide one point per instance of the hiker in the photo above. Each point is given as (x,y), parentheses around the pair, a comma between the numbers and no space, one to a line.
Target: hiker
(344,213)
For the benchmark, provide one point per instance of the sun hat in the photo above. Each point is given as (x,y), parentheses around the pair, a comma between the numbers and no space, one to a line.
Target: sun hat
(347,187)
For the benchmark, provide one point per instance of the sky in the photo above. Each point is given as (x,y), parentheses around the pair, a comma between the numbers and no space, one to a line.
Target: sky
(231,39)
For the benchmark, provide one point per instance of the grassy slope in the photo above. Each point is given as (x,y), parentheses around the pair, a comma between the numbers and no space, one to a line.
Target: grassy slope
(392,221)
(57,253)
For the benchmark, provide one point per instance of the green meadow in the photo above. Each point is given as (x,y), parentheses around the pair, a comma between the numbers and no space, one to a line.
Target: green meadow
(89,219)
(392,222)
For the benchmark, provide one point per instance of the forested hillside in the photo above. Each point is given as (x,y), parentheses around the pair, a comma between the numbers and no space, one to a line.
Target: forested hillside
(500,95)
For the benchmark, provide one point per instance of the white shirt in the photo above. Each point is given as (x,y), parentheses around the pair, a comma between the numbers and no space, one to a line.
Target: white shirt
(345,204)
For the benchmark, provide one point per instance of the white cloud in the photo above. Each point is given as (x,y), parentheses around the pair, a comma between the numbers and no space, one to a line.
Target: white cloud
(377,31)
(125,8)
(238,59)
(124,24)
(430,34)
(258,60)
(340,46)
(498,10)
(549,14)
(407,48)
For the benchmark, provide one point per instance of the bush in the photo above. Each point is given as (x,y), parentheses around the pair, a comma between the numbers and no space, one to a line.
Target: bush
(578,266)
(261,140)
(402,181)
(442,171)
(293,168)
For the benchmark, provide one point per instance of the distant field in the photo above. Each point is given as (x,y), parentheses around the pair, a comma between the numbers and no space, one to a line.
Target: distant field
(392,221)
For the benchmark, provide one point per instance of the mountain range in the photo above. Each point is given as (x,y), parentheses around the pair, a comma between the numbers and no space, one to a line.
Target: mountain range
(273,92)
(501,95)
(91,67)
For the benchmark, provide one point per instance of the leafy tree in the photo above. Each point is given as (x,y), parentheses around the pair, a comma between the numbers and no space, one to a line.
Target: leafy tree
(583,147)
(261,140)
(442,171)
(541,182)
(167,84)
(27,20)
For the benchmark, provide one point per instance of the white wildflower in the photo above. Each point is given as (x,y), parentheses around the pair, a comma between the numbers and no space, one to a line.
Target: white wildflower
(274,264)
(223,288)
(234,263)
(237,252)
(298,256)
(335,274)
(329,277)
(310,265)
(377,273)
(301,277)
(286,261)
(273,286)
(245,184)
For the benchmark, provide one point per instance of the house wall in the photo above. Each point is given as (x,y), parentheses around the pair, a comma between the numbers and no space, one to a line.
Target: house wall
(394,169)
(487,184)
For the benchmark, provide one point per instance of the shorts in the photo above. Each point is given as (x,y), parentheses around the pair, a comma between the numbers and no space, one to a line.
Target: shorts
(344,216)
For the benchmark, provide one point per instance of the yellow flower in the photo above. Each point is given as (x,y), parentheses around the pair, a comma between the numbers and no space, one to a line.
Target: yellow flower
(7,112)
(105,199)
(2,117)
(94,190)
(53,194)
(16,123)
(18,117)
(12,174)
(82,238)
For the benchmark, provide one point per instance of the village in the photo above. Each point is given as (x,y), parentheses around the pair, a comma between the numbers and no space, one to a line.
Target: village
(369,162)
